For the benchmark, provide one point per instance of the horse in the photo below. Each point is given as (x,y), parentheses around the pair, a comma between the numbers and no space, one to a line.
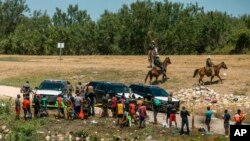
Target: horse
(156,73)
(203,71)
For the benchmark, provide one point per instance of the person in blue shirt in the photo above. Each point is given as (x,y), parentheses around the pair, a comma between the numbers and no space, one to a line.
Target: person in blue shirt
(226,118)
(208,115)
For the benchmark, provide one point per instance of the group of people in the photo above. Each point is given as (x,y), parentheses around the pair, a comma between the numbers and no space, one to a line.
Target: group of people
(82,102)
(126,110)
(238,118)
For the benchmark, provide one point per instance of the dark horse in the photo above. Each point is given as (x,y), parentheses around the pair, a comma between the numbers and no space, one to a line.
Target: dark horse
(203,71)
(156,72)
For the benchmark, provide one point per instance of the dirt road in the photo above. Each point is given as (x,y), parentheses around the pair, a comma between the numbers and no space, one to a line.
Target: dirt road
(216,124)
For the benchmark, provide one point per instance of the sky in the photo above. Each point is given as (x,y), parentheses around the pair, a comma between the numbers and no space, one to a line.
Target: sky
(96,7)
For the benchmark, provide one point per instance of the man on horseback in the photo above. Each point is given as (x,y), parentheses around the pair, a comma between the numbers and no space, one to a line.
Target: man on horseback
(153,51)
(210,65)
(158,63)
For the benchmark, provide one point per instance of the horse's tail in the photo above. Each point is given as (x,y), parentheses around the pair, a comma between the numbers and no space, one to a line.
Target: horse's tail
(195,72)
(147,76)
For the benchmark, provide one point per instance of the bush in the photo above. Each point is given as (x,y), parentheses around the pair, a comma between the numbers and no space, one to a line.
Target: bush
(5,107)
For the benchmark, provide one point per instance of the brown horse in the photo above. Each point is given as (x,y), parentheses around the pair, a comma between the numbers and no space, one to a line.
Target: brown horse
(156,72)
(203,71)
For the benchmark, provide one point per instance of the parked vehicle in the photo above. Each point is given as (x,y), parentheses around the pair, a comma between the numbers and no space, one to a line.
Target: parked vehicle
(147,91)
(51,89)
(112,89)
(94,83)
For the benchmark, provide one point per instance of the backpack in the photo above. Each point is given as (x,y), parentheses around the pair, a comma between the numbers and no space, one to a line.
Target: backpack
(120,110)
(157,102)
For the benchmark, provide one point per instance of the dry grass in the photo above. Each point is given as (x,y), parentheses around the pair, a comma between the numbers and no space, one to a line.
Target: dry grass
(127,69)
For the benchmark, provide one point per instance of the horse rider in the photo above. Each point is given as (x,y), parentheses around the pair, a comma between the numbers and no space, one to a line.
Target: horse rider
(158,63)
(153,51)
(210,65)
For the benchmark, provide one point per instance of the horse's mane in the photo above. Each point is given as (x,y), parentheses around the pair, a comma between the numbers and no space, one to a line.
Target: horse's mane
(218,64)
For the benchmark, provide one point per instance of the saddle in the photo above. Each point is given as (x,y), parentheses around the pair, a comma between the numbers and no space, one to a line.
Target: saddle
(208,71)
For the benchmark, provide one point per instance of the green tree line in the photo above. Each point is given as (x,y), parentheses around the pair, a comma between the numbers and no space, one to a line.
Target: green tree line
(177,29)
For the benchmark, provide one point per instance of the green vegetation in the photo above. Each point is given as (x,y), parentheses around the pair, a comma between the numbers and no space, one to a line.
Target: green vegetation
(38,129)
(177,29)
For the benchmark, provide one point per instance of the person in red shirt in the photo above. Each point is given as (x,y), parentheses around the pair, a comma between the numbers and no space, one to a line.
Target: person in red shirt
(60,106)
(132,110)
(113,106)
(26,108)
(143,115)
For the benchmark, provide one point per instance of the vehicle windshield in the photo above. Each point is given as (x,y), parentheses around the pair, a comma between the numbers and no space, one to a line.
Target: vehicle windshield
(121,89)
(159,92)
(51,86)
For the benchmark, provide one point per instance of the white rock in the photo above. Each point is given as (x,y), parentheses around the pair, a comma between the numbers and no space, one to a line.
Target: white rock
(47,138)
(198,92)
(78,138)
(3,127)
(6,131)
(149,138)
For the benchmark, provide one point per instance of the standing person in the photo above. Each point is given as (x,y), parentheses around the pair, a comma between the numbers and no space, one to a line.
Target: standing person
(44,103)
(77,104)
(132,110)
(70,88)
(169,109)
(37,105)
(226,118)
(71,99)
(18,107)
(123,99)
(143,114)
(86,108)
(184,120)
(26,108)
(173,116)
(120,112)
(79,89)
(114,106)
(208,115)
(139,102)
(26,89)
(156,107)
(92,100)
(105,101)
(239,117)
(60,106)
